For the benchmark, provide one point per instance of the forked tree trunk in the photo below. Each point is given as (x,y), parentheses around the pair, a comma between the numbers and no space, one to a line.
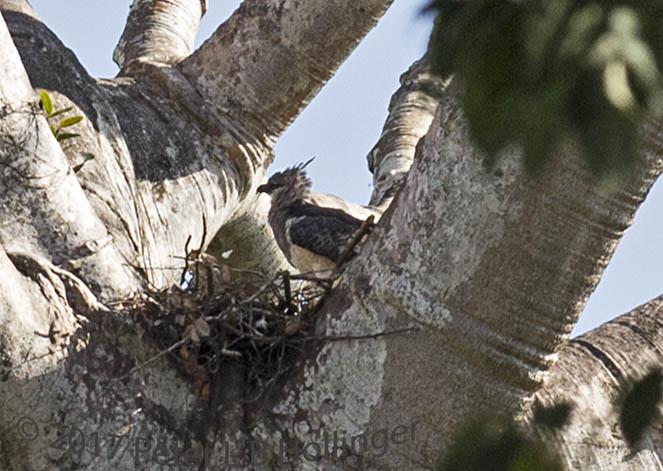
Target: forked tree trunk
(461,300)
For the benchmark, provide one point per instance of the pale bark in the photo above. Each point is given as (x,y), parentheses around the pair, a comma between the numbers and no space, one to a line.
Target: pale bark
(160,31)
(589,374)
(490,267)
(19,6)
(271,57)
(247,242)
(411,112)
(42,205)
(164,162)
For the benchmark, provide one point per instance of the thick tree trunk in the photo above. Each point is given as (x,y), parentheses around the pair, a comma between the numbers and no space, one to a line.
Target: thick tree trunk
(459,302)
(172,158)
(491,268)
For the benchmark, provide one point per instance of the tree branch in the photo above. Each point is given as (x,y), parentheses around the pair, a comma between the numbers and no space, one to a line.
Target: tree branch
(41,203)
(33,305)
(18,6)
(162,158)
(411,112)
(589,375)
(158,31)
(248,242)
(494,266)
(272,56)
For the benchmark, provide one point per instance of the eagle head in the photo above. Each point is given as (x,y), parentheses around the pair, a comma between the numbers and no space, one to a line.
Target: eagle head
(293,178)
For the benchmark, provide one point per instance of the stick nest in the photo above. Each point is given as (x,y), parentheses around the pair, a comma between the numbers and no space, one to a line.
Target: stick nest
(218,314)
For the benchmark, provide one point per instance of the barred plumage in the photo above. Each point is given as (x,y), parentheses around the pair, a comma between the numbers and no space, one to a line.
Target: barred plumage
(312,229)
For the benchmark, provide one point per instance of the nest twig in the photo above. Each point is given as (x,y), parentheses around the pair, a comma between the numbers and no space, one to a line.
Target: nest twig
(211,318)
(254,320)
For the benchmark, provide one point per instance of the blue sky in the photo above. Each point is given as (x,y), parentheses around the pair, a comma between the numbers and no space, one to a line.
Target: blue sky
(343,122)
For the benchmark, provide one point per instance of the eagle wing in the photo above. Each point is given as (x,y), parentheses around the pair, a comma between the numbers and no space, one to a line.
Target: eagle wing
(323,231)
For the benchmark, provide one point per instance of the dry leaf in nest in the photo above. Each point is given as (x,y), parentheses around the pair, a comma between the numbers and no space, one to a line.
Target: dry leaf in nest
(196,371)
(232,318)
(180,300)
(292,326)
(224,272)
(202,393)
(199,329)
(202,327)
(208,274)
(184,352)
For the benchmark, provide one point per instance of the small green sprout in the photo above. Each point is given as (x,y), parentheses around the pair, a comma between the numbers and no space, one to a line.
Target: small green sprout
(46,104)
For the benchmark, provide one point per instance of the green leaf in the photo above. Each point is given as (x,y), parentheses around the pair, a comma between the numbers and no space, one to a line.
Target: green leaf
(66,135)
(53,130)
(46,102)
(534,74)
(496,444)
(70,121)
(63,110)
(87,156)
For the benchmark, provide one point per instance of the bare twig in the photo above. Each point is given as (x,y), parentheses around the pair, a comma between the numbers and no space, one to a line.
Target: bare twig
(364,229)
(376,335)
(286,287)
(148,361)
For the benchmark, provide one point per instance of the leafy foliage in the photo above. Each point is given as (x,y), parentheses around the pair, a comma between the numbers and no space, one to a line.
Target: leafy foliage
(639,402)
(496,444)
(535,72)
(46,104)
